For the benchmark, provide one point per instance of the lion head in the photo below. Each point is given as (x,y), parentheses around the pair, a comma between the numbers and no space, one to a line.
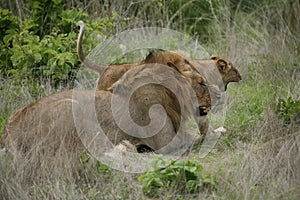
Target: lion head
(218,71)
(228,72)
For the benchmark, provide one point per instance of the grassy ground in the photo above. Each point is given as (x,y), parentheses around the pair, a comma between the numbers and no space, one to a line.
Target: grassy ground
(257,158)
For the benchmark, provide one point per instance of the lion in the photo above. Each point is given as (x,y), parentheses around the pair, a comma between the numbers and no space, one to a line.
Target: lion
(57,121)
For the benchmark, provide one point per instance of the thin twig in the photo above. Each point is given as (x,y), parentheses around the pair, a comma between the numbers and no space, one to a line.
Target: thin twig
(20,13)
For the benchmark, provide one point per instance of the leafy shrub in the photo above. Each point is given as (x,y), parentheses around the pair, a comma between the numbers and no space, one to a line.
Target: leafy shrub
(288,109)
(51,15)
(28,56)
(8,27)
(182,175)
(32,55)
(47,58)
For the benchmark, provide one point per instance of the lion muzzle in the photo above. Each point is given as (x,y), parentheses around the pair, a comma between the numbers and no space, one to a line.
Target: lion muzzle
(202,110)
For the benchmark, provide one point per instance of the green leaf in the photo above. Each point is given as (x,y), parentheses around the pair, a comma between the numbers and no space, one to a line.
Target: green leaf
(8,37)
(56,2)
(192,185)
(50,51)
(37,57)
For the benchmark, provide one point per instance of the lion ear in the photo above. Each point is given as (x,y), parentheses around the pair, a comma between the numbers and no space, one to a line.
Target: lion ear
(222,65)
(215,57)
(172,65)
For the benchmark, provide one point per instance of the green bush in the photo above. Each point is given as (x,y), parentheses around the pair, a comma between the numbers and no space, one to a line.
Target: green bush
(32,53)
(39,59)
(182,175)
(288,109)
(28,56)
(8,28)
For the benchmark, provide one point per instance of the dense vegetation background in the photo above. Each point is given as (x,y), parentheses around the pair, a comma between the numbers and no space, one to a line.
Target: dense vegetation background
(257,158)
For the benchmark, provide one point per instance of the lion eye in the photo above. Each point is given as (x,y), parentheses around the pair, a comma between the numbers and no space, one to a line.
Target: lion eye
(203,84)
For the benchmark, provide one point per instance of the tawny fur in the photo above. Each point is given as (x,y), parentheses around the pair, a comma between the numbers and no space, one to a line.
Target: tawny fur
(50,122)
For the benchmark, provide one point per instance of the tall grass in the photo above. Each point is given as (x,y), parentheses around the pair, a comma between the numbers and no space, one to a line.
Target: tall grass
(263,161)
(257,158)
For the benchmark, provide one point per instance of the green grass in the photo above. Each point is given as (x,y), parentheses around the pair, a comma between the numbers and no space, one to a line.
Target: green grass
(250,104)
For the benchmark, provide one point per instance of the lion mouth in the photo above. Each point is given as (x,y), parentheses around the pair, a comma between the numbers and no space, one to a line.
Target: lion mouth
(202,110)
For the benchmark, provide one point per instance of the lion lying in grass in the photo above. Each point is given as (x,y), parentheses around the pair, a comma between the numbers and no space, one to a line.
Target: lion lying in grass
(57,121)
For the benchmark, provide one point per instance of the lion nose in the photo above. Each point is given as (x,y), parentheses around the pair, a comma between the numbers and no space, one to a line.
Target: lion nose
(203,110)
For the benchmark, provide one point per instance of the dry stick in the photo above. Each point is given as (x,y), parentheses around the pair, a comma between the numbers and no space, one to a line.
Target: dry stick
(20,13)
